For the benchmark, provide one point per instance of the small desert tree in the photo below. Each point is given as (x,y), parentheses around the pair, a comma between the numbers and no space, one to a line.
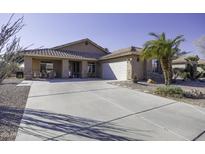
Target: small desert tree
(190,71)
(191,67)
(9,47)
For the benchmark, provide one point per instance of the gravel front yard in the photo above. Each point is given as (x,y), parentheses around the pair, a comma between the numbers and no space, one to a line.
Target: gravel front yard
(150,88)
(12,103)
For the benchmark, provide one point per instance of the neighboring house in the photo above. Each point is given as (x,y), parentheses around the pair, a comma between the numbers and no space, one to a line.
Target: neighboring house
(84,58)
(181,62)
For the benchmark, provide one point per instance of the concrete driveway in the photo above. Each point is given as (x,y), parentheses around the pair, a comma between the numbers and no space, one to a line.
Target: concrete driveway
(96,110)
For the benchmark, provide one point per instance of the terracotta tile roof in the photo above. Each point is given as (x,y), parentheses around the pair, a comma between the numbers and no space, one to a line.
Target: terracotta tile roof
(122,52)
(61,54)
(50,52)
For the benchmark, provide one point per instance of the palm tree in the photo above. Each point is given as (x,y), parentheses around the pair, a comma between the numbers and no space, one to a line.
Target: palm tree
(165,50)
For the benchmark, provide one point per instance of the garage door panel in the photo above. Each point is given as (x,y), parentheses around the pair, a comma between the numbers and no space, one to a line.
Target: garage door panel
(115,71)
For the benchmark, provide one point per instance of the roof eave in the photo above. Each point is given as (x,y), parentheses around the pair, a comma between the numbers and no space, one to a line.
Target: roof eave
(79,41)
(59,57)
(119,55)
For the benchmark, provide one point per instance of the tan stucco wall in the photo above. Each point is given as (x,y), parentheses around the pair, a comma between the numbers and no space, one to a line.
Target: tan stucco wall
(36,67)
(84,69)
(28,68)
(82,47)
(129,70)
(138,67)
(65,68)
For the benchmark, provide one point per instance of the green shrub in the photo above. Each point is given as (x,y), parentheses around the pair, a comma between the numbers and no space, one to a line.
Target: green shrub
(171,91)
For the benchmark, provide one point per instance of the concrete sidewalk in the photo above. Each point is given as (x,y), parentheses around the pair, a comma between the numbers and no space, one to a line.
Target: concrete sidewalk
(95,110)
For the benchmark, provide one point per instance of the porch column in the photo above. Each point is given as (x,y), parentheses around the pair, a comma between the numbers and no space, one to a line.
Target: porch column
(65,68)
(84,69)
(28,68)
(129,69)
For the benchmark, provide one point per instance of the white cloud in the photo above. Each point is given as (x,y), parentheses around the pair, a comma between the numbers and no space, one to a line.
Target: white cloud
(200,44)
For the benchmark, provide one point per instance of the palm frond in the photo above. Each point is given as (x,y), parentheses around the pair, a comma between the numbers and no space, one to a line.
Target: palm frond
(163,36)
(178,39)
(162,47)
(154,34)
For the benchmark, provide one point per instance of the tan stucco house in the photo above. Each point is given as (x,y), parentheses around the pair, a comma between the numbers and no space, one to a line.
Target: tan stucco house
(83,59)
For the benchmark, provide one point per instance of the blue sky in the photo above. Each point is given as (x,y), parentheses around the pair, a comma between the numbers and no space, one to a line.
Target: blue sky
(112,31)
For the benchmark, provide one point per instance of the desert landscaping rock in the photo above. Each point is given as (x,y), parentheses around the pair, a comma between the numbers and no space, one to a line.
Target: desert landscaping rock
(12,98)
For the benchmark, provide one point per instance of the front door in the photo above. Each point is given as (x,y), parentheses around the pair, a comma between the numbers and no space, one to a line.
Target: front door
(74,69)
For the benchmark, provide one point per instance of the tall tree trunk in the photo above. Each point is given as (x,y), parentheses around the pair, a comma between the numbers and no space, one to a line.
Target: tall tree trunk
(165,68)
(170,70)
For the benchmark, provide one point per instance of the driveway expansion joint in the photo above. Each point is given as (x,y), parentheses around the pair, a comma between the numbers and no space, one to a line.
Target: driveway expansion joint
(198,136)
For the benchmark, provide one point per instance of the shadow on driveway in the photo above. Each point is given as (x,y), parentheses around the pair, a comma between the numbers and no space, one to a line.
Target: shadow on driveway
(61,123)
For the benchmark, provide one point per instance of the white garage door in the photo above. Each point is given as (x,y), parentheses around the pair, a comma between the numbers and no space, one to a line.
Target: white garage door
(115,71)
